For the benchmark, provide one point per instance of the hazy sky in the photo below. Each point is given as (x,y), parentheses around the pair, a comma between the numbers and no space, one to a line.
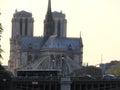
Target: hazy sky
(97,20)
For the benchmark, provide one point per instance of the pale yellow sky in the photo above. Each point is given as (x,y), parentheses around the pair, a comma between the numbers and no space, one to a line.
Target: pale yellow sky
(98,20)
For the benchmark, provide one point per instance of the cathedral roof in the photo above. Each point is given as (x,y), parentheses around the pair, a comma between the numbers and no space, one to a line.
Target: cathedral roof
(51,43)
(33,41)
(22,14)
(63,43)
(58,14)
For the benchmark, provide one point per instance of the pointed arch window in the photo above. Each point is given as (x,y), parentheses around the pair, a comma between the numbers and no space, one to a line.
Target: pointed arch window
(21,21)
(26,26)
(29,59)
(58,28)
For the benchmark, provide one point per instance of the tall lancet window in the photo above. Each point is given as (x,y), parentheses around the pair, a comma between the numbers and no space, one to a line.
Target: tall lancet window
(21,21)
(58,28)
(26,26)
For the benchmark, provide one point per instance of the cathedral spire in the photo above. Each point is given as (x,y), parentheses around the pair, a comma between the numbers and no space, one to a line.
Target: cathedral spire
(48,22)
(49,11)
(49,7)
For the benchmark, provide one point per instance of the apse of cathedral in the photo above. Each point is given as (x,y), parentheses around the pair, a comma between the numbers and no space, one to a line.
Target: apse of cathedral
(52,51)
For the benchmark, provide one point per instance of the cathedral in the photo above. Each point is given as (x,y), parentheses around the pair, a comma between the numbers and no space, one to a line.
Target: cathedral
(52,51)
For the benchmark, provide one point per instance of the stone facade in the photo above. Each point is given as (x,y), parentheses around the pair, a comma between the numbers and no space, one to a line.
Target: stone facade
(52,51)
(60,24)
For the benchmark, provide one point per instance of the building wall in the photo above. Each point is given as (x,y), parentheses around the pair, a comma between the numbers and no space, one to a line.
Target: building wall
(59,19)
(50,58)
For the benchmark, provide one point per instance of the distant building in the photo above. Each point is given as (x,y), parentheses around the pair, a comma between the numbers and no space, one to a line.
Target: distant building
(52,51)
(109,65)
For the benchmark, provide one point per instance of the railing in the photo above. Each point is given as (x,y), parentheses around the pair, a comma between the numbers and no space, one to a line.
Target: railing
(54,83)
(56,78)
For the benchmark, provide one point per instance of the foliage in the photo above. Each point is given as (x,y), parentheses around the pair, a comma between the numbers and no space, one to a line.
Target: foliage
(5,76)
(1,68)
(1,30)
(5,79)
(115,70)
(89,70)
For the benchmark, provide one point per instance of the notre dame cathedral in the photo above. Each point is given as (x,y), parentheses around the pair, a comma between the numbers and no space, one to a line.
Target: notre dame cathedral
(51,51)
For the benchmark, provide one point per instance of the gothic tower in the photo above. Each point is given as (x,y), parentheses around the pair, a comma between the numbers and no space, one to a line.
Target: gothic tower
(22,24)
(60,24)
(54,23)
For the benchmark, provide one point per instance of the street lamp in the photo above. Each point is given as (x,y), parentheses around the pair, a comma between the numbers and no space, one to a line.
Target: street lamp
(62,64)
(53,60)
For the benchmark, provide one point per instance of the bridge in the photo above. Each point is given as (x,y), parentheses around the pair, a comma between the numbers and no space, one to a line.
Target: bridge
(62,83)
(96,85)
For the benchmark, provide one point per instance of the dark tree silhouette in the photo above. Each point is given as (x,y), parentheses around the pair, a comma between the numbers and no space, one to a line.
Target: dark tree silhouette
(5,76)
(115,70)
(89,70)
(1,30)
(5,79)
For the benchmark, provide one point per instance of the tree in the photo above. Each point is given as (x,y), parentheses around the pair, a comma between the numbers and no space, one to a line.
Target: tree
(89,70)
(115,70)
(5,76)
(5,79)
(1,30)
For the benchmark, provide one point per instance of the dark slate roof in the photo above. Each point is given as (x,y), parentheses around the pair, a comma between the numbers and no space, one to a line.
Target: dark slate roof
(63,43)
(34,41)
(51,43)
